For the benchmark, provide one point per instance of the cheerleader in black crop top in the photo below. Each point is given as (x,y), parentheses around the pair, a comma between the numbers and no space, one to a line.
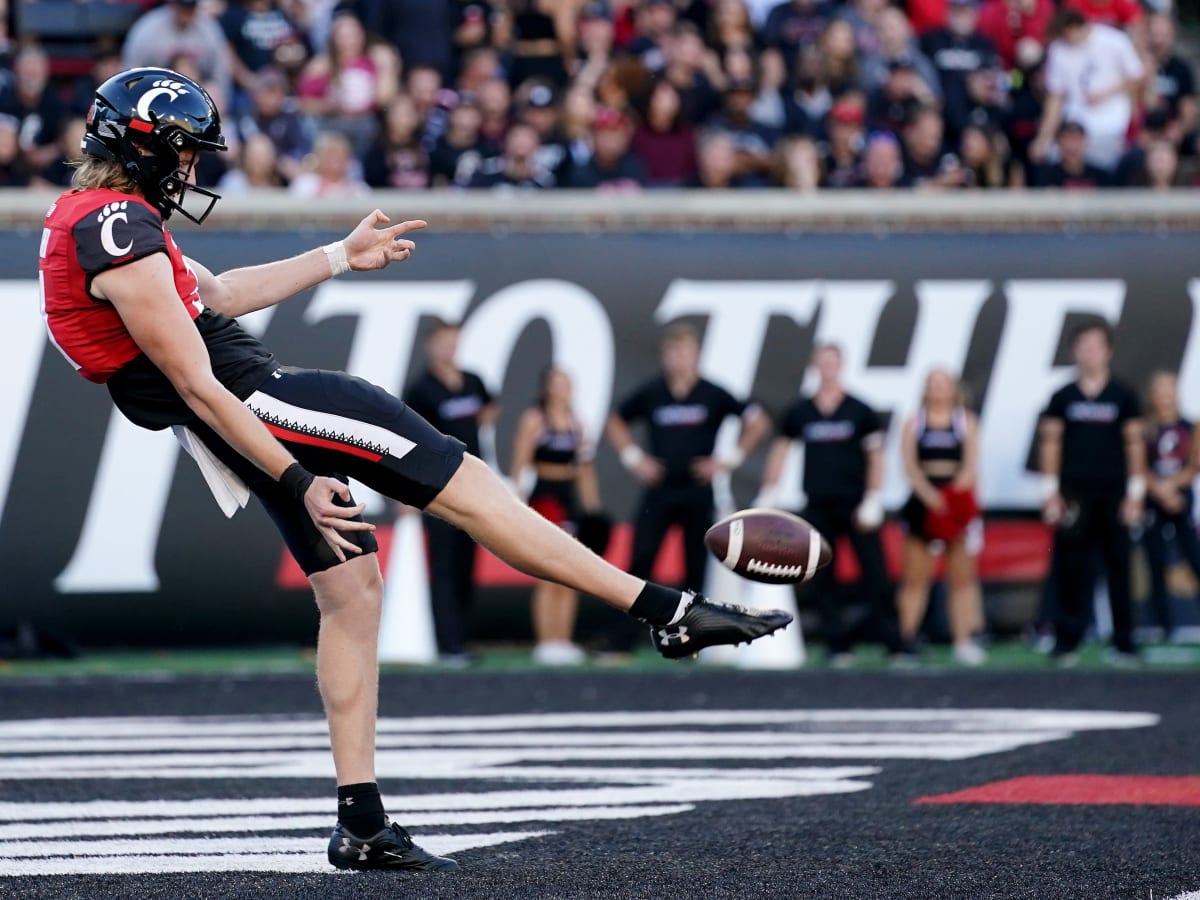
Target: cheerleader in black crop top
(550,441)
(940,449)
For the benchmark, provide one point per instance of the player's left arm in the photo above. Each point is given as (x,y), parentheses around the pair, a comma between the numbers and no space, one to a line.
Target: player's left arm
(1134,432)
(968,475)
(367,247)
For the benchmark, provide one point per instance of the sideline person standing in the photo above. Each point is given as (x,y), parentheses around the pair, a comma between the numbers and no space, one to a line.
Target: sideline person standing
(456,403)
(127,309)
(682,413)
(1093,463)
(843,475)
(940,447)
(550,440)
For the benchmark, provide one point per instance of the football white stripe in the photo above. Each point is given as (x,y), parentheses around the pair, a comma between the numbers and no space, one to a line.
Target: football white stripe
(737,534)
(265,405)
(814,556)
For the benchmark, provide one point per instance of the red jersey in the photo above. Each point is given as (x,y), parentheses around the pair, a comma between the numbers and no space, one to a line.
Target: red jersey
(86,233)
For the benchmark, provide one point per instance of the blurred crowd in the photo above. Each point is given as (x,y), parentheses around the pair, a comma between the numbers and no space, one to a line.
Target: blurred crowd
(334,97)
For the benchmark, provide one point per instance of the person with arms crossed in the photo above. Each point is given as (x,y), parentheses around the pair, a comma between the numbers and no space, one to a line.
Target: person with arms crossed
(1093,463)
(551,442)
(940,448)
(1172,459)
(127,309)
(683,413)
(457,404)
(843,476)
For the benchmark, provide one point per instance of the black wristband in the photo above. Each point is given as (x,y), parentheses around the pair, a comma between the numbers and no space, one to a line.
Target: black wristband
(295,480)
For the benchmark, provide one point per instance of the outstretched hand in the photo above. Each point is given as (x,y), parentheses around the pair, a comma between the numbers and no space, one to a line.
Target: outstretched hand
(370,246)
(332,518)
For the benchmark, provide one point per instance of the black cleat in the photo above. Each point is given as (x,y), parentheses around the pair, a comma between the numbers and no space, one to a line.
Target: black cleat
(707,623)
(391,848)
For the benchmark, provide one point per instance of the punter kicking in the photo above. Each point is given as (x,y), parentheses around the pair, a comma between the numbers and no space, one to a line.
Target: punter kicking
(129,310)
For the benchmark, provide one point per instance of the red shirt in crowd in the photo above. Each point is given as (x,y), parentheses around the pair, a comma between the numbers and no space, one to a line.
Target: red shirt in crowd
(1005,22)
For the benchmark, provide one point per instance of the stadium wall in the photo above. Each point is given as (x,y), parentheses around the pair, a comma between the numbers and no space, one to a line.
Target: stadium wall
(105,536)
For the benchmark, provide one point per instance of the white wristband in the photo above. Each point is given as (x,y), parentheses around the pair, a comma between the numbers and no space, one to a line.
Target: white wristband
(1049,487)
(1135,488)
(336,254)
(870,510)
(632,456)
(732,459)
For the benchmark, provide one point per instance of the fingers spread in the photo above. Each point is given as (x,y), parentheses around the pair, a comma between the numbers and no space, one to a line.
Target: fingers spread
(411,225)
(378,218)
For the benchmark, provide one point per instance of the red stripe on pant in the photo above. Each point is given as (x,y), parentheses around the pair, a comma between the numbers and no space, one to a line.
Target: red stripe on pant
(298,437)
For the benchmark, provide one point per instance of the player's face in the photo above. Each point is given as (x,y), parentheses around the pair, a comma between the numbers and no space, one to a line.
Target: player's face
(828,363)
(443,346)
(1092,353)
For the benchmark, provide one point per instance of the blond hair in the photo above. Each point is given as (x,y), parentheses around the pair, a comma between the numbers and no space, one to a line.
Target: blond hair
(91,173)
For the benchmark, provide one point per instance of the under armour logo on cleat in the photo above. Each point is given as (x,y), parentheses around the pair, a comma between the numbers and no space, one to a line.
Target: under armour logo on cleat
(679,635)
(348,848)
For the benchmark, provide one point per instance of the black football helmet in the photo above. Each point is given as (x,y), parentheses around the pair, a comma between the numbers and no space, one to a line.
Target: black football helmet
(143,119)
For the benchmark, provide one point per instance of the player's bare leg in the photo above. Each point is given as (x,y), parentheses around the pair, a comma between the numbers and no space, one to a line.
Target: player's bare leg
(477,501)
(913,596)
(350,598)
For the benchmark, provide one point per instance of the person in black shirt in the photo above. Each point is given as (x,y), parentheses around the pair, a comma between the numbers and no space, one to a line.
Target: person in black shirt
(456,403)
(1172,457)
(1174,81)
(843,473)
(1093,463)
(1072,171)
(956,51)
(682,412)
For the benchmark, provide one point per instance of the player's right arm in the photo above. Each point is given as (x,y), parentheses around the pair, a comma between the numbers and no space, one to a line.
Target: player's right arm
(1050,433)
(143,293)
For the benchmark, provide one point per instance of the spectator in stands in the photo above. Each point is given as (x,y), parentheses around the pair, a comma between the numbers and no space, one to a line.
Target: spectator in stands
(258,168)
(421,31)
(983,153)
(793,25)
(940,448)
(595,44)
(345,86)
(537,107)
(181,28)
(106,64)
(808,100)
(1162,166)
(397,160)
(863,18)
(1119,14)
(843,153)
(1092,72)
(550,440)
(612,166)
(839,58)
(1172,459)
(479,66)
(927,165)
(1008,22)
(730,29)
(754,142)
(797,164)
(333,170)
(716,159)
(58,172)
(1172,89)
(1024,113)
(517,167)
(903,92)
(1131,170)
(14,172)
(578,112)
(654,21)
(957,51)
(896,45)
(276,114)
(458,152)
(694,71)
(423,85)
(495,100)
(1072,170)
(540,36)
(472,33)
(261,34)
(32,99)
(664,142)
(883,165)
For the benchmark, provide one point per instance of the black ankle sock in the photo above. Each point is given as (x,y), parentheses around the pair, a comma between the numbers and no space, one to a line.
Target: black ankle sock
(360,808)
(657,605)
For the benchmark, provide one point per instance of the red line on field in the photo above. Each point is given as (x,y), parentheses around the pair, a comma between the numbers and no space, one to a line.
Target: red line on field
(1141,790)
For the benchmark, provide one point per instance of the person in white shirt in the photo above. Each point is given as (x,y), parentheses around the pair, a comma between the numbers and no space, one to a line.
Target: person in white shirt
(1092,72)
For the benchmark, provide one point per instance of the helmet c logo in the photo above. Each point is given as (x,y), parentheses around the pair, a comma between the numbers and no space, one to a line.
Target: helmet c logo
(106,235)
(171,89)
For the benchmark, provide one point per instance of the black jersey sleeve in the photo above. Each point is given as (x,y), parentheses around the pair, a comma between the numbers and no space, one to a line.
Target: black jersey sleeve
(1057,407)
(727,404)
(480,388)
(116,234)
(636,405)
(1129,406)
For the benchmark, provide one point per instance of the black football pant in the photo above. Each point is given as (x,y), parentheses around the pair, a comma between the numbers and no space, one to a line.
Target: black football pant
(1092,523)
(691,508)
(1161,529)
(834,518)
(451,582)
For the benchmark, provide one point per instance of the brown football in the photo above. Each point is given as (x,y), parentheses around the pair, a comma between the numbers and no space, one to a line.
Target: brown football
(769,545)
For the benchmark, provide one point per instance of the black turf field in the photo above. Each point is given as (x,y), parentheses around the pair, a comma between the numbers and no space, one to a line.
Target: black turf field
(871,843)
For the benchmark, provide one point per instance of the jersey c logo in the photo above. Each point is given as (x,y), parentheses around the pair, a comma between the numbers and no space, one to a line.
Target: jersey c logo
(108,217)
(171,89)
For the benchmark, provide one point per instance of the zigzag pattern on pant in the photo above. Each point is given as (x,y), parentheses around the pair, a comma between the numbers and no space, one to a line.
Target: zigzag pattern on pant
(325,434)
